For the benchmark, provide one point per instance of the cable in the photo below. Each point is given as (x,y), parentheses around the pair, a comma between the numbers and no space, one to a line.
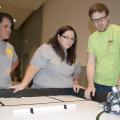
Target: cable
(2,103)
(98,116)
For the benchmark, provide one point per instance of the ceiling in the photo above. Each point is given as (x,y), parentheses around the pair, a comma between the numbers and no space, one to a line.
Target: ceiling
(20,9)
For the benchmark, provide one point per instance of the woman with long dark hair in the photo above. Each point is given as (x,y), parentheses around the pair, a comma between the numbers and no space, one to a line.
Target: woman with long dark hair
(54,64)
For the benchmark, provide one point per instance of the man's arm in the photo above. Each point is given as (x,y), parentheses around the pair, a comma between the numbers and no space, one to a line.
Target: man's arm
(90,76)
(118,82)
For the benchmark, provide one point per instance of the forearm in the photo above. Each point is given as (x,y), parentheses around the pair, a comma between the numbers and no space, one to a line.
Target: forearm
(90,74)
(76,83)
(76,79)
(118,82)
(29,74)
(91,69)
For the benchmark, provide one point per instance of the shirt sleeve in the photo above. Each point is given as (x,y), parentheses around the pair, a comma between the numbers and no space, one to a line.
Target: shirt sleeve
(11,51)
(41,57)
(77,67)
(15,57)
(91,46)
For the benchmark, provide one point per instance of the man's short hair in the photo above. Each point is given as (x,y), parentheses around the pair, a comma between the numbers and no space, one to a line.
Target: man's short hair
(98,7)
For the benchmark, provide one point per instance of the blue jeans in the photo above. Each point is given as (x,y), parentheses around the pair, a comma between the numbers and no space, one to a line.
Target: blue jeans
(102,88)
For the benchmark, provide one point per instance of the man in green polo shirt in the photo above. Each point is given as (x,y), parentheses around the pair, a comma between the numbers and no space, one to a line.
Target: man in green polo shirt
(103,67)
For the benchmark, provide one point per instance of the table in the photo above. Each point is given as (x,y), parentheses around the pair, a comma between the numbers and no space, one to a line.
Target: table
(44,106)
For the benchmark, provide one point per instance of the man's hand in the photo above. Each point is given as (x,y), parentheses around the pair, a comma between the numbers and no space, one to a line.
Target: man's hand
(88,91)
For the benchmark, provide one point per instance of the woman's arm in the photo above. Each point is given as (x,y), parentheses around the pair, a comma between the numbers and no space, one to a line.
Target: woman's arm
(14,66)
(76,83)
(29,74)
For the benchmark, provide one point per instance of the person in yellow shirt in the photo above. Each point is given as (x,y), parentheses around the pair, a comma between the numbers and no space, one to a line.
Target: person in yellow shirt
(103,67)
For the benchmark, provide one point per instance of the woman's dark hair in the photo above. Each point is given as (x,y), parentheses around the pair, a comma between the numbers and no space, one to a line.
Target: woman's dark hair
(6,15)
(71,52)
(98,7)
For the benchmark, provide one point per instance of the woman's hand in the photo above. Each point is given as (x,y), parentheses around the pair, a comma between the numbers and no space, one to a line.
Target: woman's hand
(17,87)
(77,87)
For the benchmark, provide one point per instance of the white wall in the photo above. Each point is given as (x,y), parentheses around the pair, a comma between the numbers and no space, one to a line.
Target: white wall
(75,13)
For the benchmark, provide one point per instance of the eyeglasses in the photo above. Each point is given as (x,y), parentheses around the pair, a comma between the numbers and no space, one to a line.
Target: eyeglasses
(68,38)
(99,19)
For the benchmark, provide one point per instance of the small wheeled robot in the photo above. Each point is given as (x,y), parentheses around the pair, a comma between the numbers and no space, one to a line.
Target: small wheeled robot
(112,103)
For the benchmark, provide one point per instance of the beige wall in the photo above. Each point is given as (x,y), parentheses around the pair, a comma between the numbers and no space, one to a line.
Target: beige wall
(27,39)
(75,13)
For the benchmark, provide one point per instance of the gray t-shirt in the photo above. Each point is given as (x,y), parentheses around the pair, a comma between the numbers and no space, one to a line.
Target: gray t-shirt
(7,58)
(53,73)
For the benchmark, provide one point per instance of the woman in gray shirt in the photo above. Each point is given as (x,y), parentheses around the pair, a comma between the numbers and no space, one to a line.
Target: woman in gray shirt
(8,57)
(54,64)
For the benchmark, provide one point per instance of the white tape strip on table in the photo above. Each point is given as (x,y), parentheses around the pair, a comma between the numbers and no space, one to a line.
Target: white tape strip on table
(67,98)
(27,100)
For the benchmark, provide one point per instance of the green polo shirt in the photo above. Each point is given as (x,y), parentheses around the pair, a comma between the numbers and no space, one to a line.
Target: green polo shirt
(106,48)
